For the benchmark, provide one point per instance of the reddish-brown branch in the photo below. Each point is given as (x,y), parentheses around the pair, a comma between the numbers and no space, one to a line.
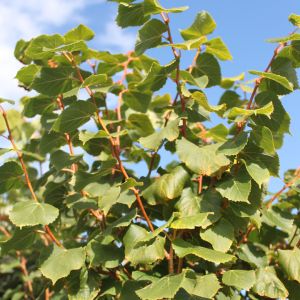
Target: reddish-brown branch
(71,60)
(176,54)
(28,182)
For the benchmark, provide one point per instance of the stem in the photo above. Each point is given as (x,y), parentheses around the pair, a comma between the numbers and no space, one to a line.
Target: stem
(176,54)
(195,60)
(28,182)
(111,140)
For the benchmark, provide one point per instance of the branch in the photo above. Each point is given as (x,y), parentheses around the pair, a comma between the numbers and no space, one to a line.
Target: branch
(71,60)
(28,182)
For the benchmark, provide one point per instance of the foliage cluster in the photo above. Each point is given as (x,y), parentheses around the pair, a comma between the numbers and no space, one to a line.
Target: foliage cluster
(77,221)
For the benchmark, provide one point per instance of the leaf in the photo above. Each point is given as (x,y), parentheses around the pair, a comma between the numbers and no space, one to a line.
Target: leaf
(31,213)
(289,261)
(277,78)
(189,44)
(61,159)
(10,173)
(81,32)
(183,248)
(94,80)
(217,47)
(154,141)
(291,37)
(253,254)
(240,279)
(220,235)
(201,160)
(153,7)
(204,24)
(61,262)
(20,240)
(38,105)
(294,19)
(258,171)
(235,145)
(108,256)
(145,254)
(131,15)
(74,116)
(206,64)
(228,82)
(54,81)
(190,222)
(236,188)
(200,82)
(201,99)
(166,287)
(137,100)
(43,46)
(51,141)
(27,74)
(263,138)
(168,186)
(149,36)
(266,110)
(268,285)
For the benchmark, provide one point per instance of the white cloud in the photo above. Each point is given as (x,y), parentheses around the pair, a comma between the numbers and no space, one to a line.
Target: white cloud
(116,38)
(25,19)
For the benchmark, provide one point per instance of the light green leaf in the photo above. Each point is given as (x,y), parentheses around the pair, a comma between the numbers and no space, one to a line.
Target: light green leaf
(31,213)
(220,235)
(201,99)
(295,19)
(150,36)
(189,44)
(234,145)
(258,171)
(10,174)
(204,24)
(183,248)
(206,64)
(289,261)
(190,222)
(291,37)
(240,279)
(170,132)
(217,47)
(228,82)
(168,186)
(153,7)
(74,116)
(147,253)
(277,78)
(94,80)
(263,138)
(236,188)
(201,160)
(61,262)
(268,285)
(81,32)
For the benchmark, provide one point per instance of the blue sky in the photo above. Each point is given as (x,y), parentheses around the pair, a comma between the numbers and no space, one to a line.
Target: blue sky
(243,25)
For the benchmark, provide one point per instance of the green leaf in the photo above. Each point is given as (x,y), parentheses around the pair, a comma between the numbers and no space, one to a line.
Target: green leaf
(189,44)
(61,159)
(263,138)
(235,145)
(289,261)
(220,235)
(294,19)
(153,7)
(27,74)
(51,141)
(217,47)
(74,116)
(131,15)
(147,253)
(137,100)
(236,188)
(10,173)
(201,99)
(43,46)
(190,222)
(183,248)
(81,32)
(204,24)
(206,64)
(61,262)
(277,78)
(20,240)
(52,82)
(240,279)
(218,133)
(228,82)
(94,80)
(268,285)
(186,76)
(258,171)
(154,141)
(166,287)
(150,36)
(168,186)
(291,37)
(108,256)
(31,213)
(201,160)
(38,105)
(253,254)
(266,110)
